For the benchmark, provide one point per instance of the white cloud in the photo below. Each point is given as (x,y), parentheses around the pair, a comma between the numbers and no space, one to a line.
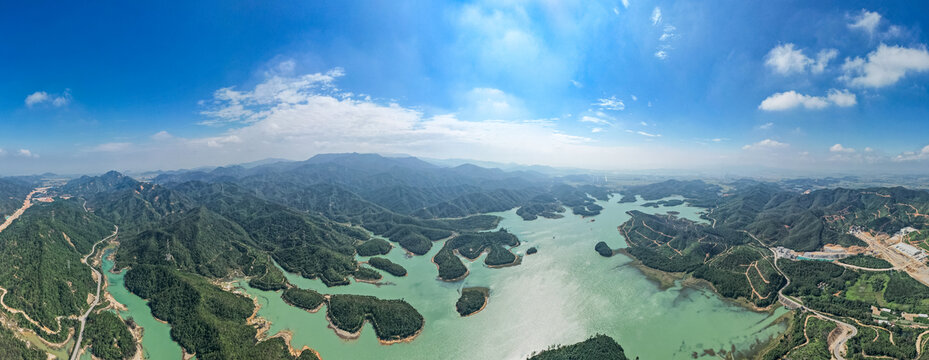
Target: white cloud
(634,98)
(626,4)
(594,120)
(765,144)
(866,21)
(40,97)
(647,134)
(596,130)
(616,10)
(668,33)
(841,98)
(716,140)
(643,123)
(661,54)
(922,154)
(2,152)
(786,59)
(577,84)
(791,99)
(656,16)
(822,59)
(62,100)
(162,136)
(611,103)
(885,66)
(838,148)
(26,153)
(36,98)
(868,149)
(766,126)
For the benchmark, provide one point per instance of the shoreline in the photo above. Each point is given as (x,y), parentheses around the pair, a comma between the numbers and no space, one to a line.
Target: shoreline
(666,280)
(457,279)
(486,292)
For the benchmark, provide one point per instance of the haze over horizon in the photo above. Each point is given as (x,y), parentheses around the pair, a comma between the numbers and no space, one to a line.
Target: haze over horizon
(831,87)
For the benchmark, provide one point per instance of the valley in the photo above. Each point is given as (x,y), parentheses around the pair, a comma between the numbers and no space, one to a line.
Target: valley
(289,261)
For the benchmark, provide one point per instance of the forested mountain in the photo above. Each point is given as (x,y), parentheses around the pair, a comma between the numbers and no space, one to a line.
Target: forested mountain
(401,185)
(42,250)
(12,194)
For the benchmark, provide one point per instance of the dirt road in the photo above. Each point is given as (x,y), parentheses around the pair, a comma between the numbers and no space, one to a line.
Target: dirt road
(99,277)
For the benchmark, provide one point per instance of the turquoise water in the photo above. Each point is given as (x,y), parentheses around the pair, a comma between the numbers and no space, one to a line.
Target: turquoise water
(562,295)
(156,338)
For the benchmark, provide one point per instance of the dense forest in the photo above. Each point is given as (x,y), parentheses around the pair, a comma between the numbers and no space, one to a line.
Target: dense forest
(108,337)
(598,347)
(392,319)
(44,276)
(303,298)
(387,265)
(472,300)
(204,319)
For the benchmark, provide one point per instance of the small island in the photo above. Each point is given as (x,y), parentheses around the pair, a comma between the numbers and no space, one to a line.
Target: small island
(472,300)
(309,300)
(603,249)
(385,264)
(393,320)
(532,250)
(471,246)
(599,347)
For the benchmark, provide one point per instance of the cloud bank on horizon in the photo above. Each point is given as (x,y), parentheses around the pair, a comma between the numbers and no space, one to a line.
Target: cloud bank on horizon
(601,85)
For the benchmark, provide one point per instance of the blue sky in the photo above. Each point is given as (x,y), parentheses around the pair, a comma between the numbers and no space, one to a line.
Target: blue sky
(615,85)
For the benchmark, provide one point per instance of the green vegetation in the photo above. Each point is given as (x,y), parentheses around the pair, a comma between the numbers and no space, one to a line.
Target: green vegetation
(42,251)
(471,245)
(660,203)
(818,348)
(790,339)
(472,300)
(389,266)
(302,298)
(392,319)
(450,266)
(12,194)
(544,206)
(16,349)
(698,192)
(597,347)
(373,247)
(204,320)
(271,277)
(365,273)
(531,251)
(108,336)
(866,261)
(603,249)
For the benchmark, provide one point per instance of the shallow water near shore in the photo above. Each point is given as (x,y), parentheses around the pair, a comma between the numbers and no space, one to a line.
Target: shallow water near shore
(561,295)
(156,338)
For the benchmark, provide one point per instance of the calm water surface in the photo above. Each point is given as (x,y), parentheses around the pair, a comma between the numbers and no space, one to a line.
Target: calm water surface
(156,338)
(561,295)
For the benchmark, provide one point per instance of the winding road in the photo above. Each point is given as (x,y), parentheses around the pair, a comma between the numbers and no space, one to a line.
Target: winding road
(99,277)
(848,331)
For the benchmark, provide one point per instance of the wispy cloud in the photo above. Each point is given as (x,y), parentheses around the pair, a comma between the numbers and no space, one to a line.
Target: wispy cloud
(611,103)
(656,16)
(766,144)
(41,97)
(838,148)
(865,21)
(786,59)
(791,99)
